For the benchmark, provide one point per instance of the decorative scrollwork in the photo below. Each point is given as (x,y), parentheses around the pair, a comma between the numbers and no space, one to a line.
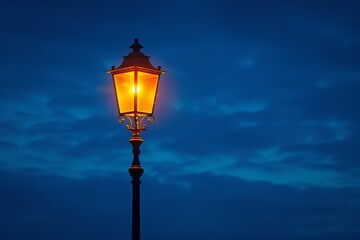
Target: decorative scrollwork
(150,119)
(122,119)
(136,123)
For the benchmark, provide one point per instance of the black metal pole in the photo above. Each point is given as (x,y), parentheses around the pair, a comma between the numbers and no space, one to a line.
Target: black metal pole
(136,171)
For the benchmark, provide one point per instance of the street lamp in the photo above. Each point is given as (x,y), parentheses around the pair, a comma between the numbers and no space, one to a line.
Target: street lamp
(136,82)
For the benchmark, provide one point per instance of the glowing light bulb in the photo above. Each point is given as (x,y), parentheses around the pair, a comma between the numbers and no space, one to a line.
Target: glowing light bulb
(137,89)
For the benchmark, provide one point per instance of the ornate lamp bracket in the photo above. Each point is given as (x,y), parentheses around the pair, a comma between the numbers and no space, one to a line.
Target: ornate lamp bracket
(136,124)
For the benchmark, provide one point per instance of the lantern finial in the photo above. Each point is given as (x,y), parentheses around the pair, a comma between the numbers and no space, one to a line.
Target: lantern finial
(136,46)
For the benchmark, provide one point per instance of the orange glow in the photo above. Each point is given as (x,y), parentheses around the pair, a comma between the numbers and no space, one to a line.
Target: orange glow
(137,89)
(125,97)
(147,82)
(143,92)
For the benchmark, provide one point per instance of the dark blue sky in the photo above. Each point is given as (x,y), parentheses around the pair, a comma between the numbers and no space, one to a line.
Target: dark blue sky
(256,136)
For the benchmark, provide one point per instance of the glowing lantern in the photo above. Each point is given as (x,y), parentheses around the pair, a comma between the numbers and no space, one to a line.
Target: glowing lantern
(136,82)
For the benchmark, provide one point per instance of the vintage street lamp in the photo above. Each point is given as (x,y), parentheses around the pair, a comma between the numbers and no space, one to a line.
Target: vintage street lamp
(136,82)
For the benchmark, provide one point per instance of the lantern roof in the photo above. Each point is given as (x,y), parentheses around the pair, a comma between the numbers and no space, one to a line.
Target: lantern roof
(136,58)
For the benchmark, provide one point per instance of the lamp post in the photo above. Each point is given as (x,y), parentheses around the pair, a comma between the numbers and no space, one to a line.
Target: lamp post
(136,82)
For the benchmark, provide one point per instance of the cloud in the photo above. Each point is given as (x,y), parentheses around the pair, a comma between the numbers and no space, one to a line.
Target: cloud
(209,207)
(52,207)
(257,120)
(270,88)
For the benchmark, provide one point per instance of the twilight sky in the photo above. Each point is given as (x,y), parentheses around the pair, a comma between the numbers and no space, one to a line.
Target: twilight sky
(257,131)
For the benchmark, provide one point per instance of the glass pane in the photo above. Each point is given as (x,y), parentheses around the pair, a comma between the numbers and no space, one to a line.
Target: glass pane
(124,87)
(147,84)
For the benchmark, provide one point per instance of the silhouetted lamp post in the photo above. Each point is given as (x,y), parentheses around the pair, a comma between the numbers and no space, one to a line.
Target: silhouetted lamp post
(136,82)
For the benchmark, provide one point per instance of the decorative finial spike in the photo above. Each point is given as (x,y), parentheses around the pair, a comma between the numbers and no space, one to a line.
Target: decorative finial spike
(136,46)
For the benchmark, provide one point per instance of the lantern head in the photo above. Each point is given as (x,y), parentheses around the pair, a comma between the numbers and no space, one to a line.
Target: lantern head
(136,82)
